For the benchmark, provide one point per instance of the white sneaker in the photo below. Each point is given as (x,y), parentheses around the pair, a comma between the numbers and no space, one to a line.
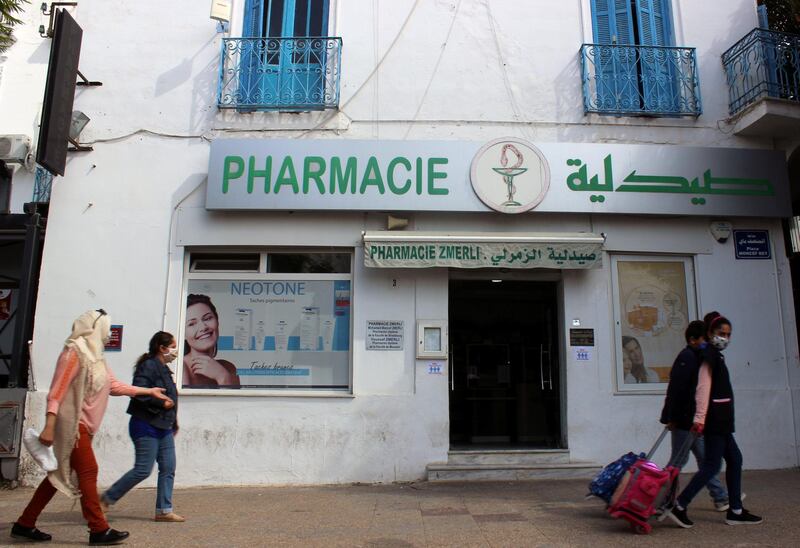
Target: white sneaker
(42,454)
(723,505)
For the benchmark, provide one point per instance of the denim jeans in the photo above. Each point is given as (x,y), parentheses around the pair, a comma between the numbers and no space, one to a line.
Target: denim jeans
(718,447)
(715,488)
(148,452)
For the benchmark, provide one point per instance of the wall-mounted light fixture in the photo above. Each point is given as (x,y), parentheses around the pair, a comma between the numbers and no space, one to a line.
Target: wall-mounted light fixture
(76,125)
(48,33)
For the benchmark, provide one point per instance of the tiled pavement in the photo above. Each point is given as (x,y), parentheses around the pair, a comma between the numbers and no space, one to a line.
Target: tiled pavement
(539,513)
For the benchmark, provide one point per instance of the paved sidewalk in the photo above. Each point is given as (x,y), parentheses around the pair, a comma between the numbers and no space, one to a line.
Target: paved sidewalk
(538,513)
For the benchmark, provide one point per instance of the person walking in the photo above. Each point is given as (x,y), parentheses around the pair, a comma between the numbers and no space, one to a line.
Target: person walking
(679,408)
(152,428)
(714,417)
(76,404)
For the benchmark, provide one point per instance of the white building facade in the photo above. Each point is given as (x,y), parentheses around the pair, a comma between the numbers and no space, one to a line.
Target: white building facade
(430,227)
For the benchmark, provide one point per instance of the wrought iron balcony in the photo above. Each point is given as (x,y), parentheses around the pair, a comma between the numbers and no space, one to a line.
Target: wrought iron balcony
(765,63)
(629,80)
(281,74)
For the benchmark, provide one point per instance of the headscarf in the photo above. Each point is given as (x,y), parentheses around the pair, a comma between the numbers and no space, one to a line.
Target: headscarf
(90,331)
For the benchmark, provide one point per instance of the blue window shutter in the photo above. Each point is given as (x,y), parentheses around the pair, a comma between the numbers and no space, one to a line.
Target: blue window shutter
(615,67)
(253,18)
(602,26)
(612,22)
(769,53)
(623,21)
(660,89)
(249,56)
(763,19)
(654,20)
(277,67)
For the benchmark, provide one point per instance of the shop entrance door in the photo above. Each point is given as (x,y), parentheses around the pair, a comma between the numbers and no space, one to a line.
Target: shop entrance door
(505,377)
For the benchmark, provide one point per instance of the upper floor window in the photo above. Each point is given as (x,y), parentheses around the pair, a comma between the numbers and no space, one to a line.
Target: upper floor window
(285,18)
(632,22)
(284,60)
(633,67)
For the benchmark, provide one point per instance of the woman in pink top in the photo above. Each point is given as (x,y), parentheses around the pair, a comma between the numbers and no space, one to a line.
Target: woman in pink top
(75,406)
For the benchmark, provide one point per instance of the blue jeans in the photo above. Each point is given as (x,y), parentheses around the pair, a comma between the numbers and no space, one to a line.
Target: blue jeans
(715,488)
(718,447)
(148,452)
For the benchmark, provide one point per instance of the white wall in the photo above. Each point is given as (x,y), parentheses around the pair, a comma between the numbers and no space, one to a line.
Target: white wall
(458,69)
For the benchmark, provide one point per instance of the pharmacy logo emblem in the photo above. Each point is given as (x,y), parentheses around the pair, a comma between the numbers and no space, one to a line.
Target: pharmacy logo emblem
(510,175)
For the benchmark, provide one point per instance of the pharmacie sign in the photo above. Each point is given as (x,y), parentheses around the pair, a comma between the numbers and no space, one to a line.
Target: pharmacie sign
(507,175)
(382,250)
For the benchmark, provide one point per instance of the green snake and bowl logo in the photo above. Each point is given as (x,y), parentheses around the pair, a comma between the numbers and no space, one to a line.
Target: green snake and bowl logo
(510,175)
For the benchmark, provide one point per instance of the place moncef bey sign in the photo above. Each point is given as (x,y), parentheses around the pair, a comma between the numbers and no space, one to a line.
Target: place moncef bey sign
(353,175)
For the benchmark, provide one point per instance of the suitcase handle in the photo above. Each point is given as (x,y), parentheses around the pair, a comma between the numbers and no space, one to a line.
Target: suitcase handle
(687,445)
(657,443)
(685,448)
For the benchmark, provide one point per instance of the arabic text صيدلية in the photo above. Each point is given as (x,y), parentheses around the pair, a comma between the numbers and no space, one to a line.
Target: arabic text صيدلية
(732,186)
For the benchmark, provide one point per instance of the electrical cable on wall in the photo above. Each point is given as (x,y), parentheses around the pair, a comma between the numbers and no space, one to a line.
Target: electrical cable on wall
(433,73)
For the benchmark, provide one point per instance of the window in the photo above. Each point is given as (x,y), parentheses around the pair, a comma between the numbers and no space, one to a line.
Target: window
(654,301)
(284,327)
(225,262)
(287,66)
(631,77)
(313,263)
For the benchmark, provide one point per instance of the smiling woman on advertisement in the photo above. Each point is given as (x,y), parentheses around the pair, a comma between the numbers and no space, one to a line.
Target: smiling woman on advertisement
(201,369)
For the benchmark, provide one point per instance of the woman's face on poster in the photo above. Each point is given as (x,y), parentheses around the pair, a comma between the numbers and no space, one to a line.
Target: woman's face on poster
(634,352)
(202,328)
(626,363)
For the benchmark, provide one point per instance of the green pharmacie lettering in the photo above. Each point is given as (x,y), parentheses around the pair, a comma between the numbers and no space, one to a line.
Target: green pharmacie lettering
(253,173)
(316,174)
(228,173)
(403,252)
(287,176)
(372,176)
(336,175)
(390,175)
(433,175)
(460,252)
(340,180)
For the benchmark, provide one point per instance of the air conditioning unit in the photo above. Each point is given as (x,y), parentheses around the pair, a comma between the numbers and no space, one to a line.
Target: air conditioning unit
(15,148)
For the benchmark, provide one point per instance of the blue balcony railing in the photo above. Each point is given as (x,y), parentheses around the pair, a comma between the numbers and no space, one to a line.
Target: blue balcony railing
(640,80)
(765,63)
(284,74)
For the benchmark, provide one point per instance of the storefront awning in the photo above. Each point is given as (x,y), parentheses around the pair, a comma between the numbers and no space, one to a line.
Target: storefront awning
(387,249)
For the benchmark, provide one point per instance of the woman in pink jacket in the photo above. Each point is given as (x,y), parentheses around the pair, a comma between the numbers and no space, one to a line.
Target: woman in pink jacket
(75,406)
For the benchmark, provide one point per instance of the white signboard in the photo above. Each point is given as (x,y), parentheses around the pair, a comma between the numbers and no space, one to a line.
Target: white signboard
(384,335)
(508,175)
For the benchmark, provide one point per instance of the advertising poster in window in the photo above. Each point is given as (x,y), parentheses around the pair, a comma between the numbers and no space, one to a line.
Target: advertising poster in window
(267,334)
(653,307)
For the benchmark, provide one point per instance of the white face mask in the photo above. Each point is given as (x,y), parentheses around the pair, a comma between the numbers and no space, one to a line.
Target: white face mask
(170,354)
(721,343)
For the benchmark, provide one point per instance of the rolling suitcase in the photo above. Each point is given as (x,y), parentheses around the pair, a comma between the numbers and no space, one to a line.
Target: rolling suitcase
(646,488)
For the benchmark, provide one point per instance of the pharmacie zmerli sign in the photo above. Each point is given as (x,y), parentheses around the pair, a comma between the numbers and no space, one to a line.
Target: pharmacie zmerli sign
(508,175)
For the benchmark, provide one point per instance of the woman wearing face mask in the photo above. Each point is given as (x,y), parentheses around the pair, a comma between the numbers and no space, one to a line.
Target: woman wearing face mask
(76,403)
(152,428)
(714,419)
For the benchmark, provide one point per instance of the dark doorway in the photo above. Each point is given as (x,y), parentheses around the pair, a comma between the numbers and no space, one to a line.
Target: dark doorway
(505,386)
